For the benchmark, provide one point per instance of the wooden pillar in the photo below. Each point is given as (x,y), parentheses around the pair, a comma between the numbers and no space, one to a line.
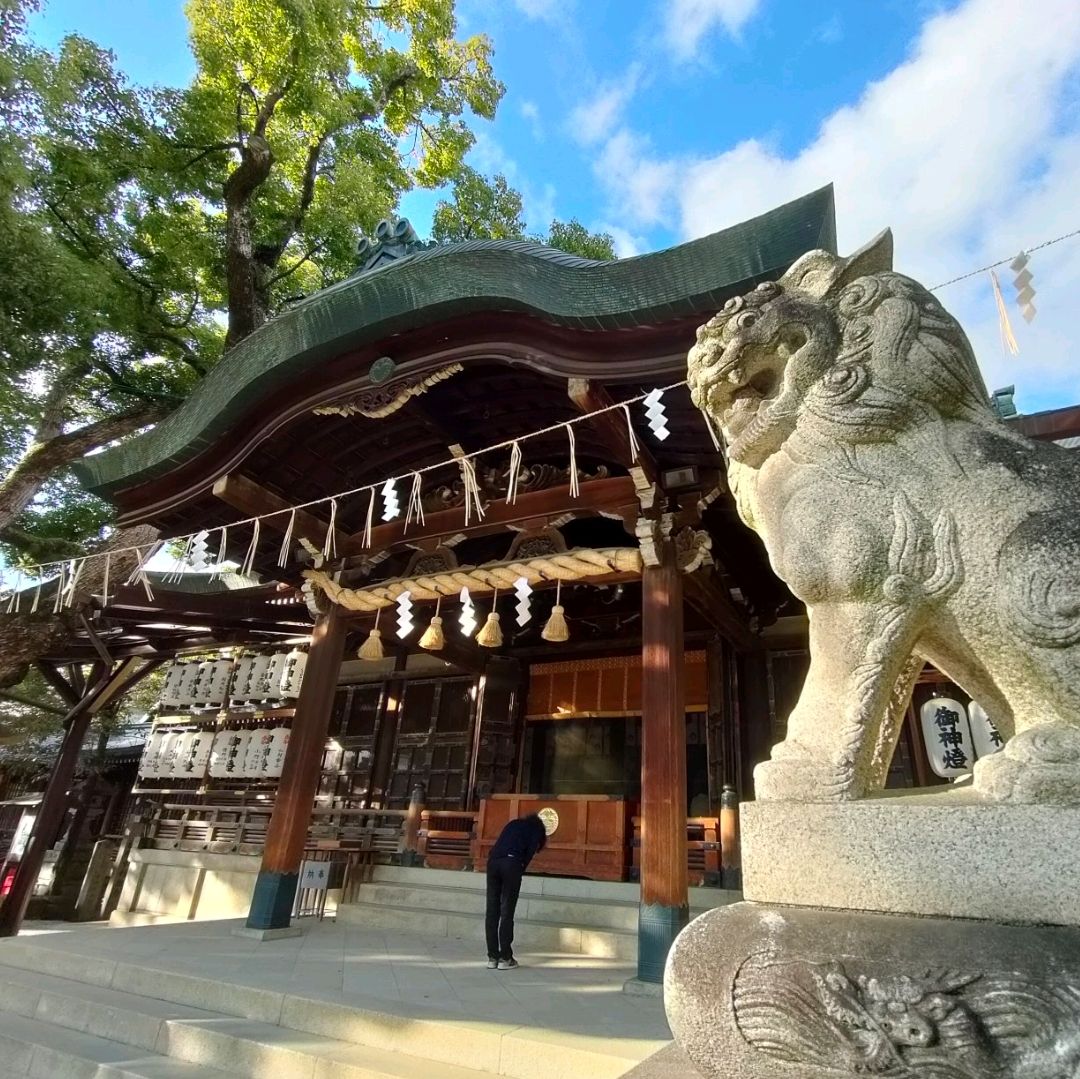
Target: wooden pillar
(275,887)
(54,803)
(664,898)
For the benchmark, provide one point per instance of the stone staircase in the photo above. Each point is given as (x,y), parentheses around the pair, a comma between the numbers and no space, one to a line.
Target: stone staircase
(554,914)
(61,1019)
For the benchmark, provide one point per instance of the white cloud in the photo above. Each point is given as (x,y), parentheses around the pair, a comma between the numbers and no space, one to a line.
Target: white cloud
(595,119)
(688,22)
(530,112)
(831,31)
(545,10)
(626,243)
(970,149)
(643,186)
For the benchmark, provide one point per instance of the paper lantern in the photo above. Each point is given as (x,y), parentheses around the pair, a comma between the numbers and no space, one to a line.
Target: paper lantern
(223,751)
(234,765)
(984,735)
(151,755)
(241,673)
(255,752)
(275,757)
(173,676)
(292,677)
(947,736)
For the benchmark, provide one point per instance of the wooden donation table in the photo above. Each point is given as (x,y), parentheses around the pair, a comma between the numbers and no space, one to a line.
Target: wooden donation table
(590,840)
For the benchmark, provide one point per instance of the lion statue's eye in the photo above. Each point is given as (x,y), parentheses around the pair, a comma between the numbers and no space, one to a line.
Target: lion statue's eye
(746,320)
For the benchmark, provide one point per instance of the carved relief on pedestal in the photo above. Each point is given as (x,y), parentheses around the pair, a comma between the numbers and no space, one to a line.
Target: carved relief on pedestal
(854,1020)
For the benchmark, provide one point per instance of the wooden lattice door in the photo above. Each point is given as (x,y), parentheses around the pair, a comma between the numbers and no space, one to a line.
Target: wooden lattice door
(347,760)
(433,739)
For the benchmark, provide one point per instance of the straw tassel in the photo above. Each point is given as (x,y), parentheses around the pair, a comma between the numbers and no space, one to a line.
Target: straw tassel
(286,543)
(575,486)
(105,581)
(472,491)
(415,508)
(491,635)
(434,638)
(58,600)
(249,558)
(556,629)
(37,592)
(13,602)
(372,648)
(222,554)
(1008,341)
(515,474)
(329,549)
(365,542)
(635,446)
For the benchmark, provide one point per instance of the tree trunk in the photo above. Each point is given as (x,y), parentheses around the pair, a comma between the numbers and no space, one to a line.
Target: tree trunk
(46,456)
(244,276)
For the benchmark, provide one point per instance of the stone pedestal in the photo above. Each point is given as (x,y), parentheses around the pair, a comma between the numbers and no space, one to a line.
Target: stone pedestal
(782,988)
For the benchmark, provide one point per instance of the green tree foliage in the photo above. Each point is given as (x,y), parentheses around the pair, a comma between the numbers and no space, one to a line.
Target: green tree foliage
(572,236)
(148,230)
(483,209)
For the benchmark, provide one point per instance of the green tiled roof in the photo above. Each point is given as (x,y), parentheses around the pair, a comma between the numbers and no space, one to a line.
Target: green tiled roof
(480,276)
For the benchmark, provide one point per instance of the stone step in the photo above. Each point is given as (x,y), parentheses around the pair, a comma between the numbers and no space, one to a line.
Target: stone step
(529,935)
(257,1032)
(558,910)
(701,899)
(35,1048)
(123,1027)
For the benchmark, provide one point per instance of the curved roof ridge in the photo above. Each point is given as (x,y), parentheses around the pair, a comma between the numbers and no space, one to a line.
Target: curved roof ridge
(435,284)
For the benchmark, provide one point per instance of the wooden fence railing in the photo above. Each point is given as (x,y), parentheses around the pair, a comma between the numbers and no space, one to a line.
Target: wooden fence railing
(702,850)
(445,838)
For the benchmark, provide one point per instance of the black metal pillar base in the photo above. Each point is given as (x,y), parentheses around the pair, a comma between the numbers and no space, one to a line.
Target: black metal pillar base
(272,900)
(658,926)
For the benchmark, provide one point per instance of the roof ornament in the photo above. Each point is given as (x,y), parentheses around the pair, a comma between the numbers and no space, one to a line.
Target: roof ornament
(395,238)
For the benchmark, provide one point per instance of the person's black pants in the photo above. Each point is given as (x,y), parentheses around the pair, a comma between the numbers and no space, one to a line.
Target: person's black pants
(503,885)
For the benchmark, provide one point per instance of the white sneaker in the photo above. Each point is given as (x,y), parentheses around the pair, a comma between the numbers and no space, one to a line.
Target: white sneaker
(493,964)
(507,964)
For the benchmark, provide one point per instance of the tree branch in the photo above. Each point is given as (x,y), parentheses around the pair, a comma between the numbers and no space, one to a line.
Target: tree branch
(308,255)
(74,444)
(18,698)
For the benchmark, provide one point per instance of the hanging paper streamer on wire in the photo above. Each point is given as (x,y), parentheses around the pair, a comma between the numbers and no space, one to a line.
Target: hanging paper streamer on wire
(657,416)
(391,505)
(1008,341)
(1025,293)
(199,550)
(523,590)
(467,617)
(404,615)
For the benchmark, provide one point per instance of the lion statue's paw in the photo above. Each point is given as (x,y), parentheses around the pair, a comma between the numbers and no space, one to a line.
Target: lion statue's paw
(1038,766)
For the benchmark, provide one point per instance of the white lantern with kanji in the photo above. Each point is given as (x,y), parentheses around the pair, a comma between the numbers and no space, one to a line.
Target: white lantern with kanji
(947,736)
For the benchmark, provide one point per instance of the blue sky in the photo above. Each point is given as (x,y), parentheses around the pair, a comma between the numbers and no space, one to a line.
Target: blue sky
(956,123)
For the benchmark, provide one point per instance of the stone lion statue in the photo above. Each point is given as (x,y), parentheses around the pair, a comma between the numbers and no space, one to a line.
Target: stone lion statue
(912,522)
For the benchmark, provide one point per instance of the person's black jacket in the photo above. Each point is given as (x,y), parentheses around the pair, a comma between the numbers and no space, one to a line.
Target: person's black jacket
(521,840)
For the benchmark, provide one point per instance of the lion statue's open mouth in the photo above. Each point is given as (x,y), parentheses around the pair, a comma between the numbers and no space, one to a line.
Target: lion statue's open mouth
(737,372)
